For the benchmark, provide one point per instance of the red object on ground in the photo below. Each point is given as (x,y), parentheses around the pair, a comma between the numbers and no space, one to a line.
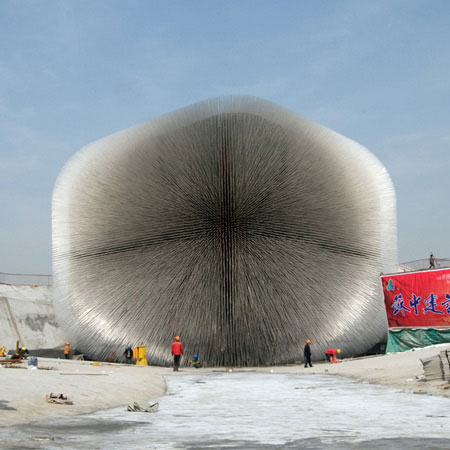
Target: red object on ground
(177,348)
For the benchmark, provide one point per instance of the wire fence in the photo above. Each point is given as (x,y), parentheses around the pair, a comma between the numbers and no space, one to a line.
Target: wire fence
(420,264)
(21,279)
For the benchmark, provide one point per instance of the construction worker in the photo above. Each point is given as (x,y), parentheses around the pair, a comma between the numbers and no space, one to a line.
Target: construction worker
(331,355)
(128,353)
(177,351)
(432,262)
(67,350)
(307,353)
(22,353)
(196,363)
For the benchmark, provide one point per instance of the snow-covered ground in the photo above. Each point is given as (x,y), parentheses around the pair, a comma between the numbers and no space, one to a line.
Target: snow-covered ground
(256,410)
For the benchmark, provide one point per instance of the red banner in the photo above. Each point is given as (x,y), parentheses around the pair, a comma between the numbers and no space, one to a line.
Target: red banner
(417,299)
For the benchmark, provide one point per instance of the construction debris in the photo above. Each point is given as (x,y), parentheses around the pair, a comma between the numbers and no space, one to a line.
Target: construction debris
(135,407)
(59,399)
(8,365)
(437,367)
(10,361)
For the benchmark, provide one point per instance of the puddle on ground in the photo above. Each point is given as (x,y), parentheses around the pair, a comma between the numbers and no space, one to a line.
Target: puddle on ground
(248,410)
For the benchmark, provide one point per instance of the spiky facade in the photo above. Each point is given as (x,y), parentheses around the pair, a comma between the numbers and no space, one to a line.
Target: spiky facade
(234,223)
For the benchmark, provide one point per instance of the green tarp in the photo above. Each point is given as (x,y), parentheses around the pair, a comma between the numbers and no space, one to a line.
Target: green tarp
(408,338)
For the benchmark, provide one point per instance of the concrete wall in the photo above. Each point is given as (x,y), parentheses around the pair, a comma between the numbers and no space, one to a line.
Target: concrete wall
(27,314)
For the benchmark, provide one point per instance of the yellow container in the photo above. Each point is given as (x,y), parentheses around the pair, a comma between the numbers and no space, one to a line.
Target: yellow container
(140,354)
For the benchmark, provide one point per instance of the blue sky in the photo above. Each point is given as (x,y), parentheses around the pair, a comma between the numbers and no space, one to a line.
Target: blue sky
(72,72)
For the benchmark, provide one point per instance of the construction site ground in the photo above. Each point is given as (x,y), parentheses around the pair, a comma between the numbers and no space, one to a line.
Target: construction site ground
(94,387)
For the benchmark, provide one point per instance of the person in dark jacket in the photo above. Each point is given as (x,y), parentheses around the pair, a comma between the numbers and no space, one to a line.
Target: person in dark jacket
(128,353)
(196,362)
(307,354)
(22,353)
(177,351)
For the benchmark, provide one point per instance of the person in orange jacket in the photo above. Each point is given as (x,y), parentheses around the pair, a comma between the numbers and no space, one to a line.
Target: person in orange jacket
(67,350)
(331,355)
(177,351)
